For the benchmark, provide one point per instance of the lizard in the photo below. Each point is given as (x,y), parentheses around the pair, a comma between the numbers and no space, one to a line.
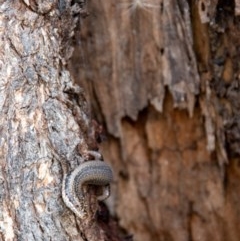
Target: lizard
(93,172)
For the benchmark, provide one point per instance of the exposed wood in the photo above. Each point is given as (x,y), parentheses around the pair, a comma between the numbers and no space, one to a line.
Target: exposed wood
(163,79)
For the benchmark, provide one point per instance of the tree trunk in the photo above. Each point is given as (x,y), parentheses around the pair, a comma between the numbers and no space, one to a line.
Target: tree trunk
(44,123)
(163,79)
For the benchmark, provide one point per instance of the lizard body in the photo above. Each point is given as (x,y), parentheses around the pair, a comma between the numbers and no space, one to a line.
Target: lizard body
(94,172)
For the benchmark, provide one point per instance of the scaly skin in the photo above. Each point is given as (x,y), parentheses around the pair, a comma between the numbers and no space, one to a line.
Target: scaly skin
(94,172)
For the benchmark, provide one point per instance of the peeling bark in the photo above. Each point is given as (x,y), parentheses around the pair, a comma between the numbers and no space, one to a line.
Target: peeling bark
(145,74)
(156,62)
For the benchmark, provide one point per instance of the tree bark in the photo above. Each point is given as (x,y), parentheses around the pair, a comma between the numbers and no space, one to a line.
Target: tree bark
(44,121)
(164,83)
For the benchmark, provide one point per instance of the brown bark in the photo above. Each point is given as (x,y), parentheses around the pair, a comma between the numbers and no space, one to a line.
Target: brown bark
(44,118)
(163,79)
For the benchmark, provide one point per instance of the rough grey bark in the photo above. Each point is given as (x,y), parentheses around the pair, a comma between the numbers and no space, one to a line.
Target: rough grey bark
(43,120)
